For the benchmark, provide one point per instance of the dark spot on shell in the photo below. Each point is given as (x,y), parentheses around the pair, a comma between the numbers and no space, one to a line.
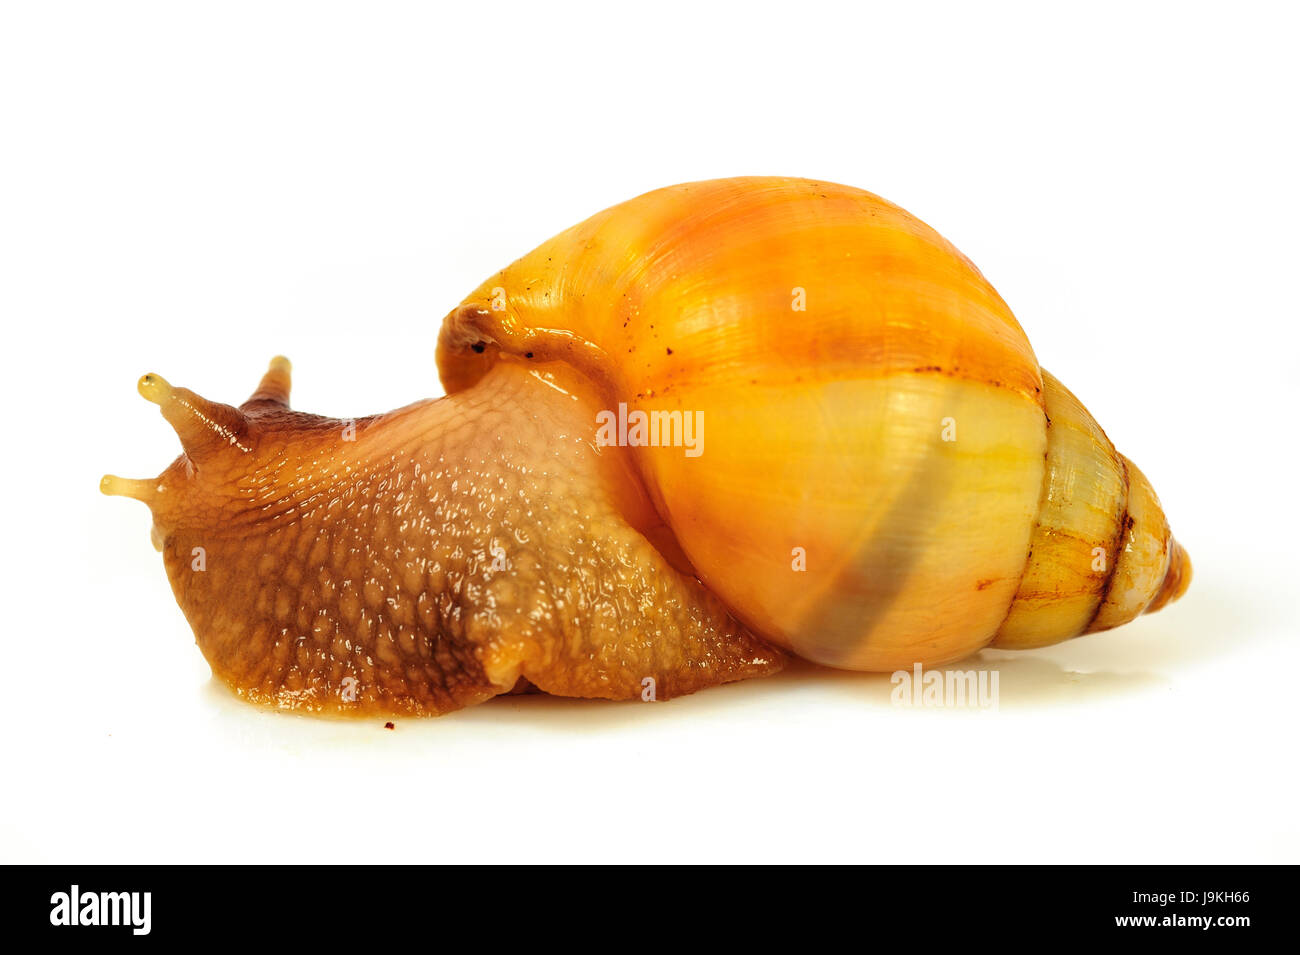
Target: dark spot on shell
(669,350)
(389,726)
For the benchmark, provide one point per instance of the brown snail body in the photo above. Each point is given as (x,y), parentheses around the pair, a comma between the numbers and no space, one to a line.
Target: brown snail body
(713,425)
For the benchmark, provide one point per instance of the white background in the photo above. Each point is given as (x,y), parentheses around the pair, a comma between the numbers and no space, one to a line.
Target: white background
(190,190)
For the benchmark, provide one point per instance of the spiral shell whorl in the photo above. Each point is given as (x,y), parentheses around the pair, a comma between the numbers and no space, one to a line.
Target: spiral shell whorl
(1101,550)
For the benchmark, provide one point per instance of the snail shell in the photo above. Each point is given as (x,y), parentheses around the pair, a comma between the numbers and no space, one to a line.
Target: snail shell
(861,463)
(827,424)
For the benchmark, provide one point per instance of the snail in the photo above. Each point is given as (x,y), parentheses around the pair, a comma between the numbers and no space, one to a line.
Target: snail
(709,428)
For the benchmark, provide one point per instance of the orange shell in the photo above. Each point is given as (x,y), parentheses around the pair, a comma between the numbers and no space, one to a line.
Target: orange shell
(876,444)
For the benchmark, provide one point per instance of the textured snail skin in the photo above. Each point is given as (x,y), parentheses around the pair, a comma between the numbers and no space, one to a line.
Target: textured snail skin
(373,558)
(886,477)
